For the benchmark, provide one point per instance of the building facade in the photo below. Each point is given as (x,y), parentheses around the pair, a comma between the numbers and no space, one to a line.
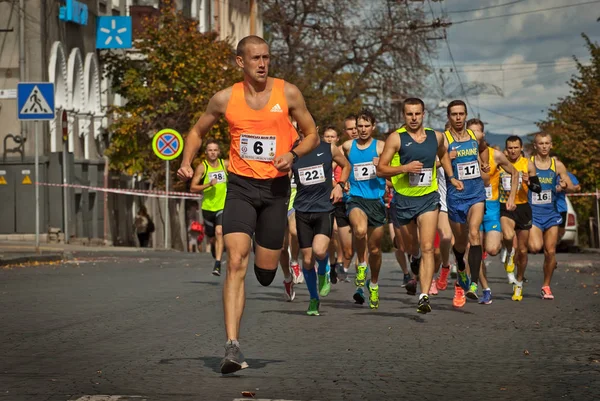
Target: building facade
(55,41)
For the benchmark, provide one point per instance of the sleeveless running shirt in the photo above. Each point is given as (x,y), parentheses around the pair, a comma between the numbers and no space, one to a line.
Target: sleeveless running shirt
(425,182)
(214,197)
(258,136)
(521,166)
(545,201)
(363,180)
(313,176)
(491,191)
(465,167)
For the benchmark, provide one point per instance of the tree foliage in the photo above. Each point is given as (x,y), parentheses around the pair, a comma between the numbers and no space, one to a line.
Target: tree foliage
(574,123)
(166,82)
(347,54)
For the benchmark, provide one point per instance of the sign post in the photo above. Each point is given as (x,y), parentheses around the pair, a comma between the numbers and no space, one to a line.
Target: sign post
(65,137)
(35,102)
(167,145)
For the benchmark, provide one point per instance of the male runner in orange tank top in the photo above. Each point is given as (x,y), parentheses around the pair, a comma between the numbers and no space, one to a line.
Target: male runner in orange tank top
(261,155)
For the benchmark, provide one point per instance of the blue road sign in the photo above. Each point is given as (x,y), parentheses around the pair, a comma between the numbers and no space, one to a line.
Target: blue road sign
(35,100)
(114,33)
(168,145)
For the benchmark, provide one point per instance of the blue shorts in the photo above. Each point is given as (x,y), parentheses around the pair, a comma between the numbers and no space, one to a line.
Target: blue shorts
(491,218)
(546,220)
(458,209)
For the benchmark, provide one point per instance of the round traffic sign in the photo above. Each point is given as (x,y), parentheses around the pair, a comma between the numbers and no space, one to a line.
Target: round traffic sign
(167,144)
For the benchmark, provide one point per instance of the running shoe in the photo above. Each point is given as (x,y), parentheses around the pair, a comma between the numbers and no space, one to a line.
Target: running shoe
(297,273)
(234,359)
(517,292)
(405,280)
(216,271)
(472,293)
(373,295)
(512,279)
(415,264)
(509,264)
(442,281)
(290,293)
(463,280)
(361,276)
(359,296)
(333,273)
(486,299)
(411,287)
(313,307)
(324,284)
(459,297)
(453,271)
(433,290)
(423,305)
(547,292)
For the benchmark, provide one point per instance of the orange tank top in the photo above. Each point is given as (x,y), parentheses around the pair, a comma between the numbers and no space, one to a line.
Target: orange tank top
(258,136)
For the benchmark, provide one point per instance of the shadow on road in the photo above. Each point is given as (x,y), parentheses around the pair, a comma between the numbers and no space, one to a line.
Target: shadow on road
(214,283)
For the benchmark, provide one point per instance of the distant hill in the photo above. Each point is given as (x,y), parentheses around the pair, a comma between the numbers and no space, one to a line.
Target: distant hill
(500,139)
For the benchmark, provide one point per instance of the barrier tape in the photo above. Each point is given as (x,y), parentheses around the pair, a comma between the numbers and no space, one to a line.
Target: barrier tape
(586,194)
(130,191)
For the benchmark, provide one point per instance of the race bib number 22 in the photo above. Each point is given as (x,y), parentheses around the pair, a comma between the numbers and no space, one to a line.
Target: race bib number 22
(258,147)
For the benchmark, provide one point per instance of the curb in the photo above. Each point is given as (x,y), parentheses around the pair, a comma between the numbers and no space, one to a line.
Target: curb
(55,257)
(590,250)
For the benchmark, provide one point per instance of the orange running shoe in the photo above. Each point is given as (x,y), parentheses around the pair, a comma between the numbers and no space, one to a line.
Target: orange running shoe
(442,281)
(547,292)
(459,297)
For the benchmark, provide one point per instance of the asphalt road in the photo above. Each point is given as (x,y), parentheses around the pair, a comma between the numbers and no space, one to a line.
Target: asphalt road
(135,326)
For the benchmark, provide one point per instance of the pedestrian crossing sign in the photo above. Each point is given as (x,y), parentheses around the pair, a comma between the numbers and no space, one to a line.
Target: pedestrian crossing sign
(35,101)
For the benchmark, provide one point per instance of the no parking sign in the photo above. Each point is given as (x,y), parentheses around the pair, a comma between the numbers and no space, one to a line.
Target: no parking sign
(167,144)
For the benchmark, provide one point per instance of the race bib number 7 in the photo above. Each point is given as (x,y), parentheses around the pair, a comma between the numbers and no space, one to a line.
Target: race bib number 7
(364,171)
(258,147)
(421,179)
(311,175)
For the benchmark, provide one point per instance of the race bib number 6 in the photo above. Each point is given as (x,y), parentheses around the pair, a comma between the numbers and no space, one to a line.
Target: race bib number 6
(364,171)
(311,175)
(468,170)
(218,175)
(258,147)
(422,179)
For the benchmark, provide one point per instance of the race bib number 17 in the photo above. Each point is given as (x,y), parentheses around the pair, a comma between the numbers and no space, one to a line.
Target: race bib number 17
(258,147)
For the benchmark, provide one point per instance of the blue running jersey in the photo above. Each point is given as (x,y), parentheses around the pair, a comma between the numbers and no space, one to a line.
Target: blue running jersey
(363,180)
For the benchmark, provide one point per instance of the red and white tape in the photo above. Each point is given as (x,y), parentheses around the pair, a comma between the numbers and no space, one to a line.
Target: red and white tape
(586,194)
(130,191)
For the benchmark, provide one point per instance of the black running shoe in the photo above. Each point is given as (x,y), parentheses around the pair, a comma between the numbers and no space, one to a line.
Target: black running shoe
(411,287)
(216,271)
(333,277)
(234,359)
(423,306)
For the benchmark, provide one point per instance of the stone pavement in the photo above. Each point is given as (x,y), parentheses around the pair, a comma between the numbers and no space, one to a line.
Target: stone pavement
(148,325)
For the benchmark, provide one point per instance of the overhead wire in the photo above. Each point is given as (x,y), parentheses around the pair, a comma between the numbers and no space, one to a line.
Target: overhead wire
(486,8)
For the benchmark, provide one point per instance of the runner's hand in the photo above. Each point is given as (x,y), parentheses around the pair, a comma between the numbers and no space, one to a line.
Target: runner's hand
(457,184)
(185,172)
(525,178)
(213,182)
(485,167)
(414,167)
(284,162)
(336,194)
(510,205)
(375,161)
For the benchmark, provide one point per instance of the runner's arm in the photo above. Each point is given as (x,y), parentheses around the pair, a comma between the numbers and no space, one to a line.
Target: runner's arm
(391,146)
(534,182)
(443,156)
(306,124)
(502,161)
(564,177)
(215,109)
(196,187)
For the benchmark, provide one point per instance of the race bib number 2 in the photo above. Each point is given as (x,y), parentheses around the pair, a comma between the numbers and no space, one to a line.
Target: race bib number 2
(258,147)
(422,179)
(364,171)
(311,175)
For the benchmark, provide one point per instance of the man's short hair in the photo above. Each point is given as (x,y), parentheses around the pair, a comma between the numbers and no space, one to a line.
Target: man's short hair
(475,121)
(248,40)
(542,134)
(366,115)
(514,138)
(413,101)
(350,117)
(212,141)
(456,103)
(330,128)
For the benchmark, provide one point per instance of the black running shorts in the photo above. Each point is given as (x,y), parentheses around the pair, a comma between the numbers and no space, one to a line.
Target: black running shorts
(211,221)
(257,207)
(308,225)
(522,215)
(341,218)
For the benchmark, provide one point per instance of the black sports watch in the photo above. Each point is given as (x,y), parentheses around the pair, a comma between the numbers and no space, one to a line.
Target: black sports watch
(342,184)
(295,156)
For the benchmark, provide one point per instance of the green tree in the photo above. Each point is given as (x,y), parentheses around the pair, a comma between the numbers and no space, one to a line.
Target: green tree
(574,123)
(166,81)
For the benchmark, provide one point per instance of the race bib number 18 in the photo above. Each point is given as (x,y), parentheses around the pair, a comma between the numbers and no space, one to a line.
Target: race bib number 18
(422,179)
(364,171)
(258,147)
(311,175)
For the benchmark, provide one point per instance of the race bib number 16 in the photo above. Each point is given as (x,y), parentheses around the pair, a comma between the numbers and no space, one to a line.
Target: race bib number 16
(258,147)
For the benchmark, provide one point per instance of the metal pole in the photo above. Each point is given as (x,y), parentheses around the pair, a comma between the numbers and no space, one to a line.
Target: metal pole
(598,216)
(65,191)
(22,77)
(37,188)
(167,222)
